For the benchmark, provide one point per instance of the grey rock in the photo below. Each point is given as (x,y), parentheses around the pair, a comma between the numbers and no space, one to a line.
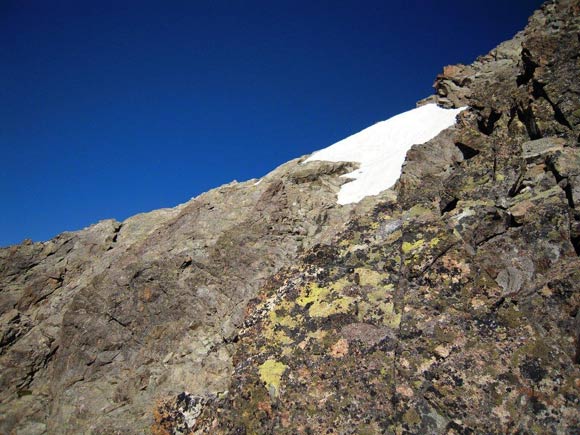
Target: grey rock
(533,149)
(100,324)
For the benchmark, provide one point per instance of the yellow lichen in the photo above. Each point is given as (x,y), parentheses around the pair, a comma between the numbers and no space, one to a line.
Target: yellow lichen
(408,246)
(317,335)
(287,321)
(314,293)
(323,303)
(390,317)
(377,310)
(418,210)
(340,284)
(368,276)
(380,293)
(392,237)
(282,338)
(272,332)
(276,336)
(335,306)
(434,242)
(271,374)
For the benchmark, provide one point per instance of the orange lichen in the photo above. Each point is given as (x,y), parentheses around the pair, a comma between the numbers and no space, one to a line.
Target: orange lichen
(339,349)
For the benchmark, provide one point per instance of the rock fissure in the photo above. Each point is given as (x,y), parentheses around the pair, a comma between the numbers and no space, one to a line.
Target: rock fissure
(539,92)
(529,67)
(486,124)
(527,117)
(466,151)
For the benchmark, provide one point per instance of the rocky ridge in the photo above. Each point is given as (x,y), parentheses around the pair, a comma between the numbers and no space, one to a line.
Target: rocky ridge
(96,325)
(449,305)
(452,308)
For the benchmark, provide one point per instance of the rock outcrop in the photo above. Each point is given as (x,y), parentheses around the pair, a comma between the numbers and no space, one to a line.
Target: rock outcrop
(447,305)
(454,307)
(98,324)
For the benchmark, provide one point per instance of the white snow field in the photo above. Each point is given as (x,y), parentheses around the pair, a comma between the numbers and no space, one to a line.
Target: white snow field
(381,149)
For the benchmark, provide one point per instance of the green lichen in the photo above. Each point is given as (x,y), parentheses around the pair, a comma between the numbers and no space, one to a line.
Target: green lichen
(380,293)
(511,316)
(313,293)
(368,276)
(535,348)
(554,235)
(317,335)
(335,306)
(434,242)
(408,246)
(418,210)
(443,335)
(390,317)
(376,311)
(411,417)
(534,195)
(324,301)
(283,320)
(473,203)
(271,374)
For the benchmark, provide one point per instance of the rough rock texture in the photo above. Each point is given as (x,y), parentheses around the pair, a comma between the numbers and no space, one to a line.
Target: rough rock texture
(454,307)
(99,324)
(448,306)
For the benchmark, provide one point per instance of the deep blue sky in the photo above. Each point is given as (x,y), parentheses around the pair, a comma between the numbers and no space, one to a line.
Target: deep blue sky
(111,108)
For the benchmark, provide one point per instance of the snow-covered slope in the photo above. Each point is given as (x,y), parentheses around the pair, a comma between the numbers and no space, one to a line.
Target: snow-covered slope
(381,149)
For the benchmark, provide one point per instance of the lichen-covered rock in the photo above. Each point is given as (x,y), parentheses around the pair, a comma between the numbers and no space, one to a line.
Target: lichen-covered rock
(447,305)
(452,308)
(98,326)
(413,331)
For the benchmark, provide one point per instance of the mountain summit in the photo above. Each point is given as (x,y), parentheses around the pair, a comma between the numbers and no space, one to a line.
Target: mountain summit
(341,293)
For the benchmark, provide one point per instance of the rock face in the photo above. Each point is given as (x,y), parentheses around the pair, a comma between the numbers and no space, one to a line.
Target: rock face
(449,305)
(98,324)
(454,307)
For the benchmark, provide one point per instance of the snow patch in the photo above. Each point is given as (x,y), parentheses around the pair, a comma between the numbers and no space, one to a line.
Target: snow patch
(381,149)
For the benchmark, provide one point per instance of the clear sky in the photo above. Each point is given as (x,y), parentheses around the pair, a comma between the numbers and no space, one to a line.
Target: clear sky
(111,108)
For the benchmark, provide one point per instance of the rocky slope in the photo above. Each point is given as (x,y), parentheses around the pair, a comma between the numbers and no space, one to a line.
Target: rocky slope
(449,305)
(96,325)
(452,308)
